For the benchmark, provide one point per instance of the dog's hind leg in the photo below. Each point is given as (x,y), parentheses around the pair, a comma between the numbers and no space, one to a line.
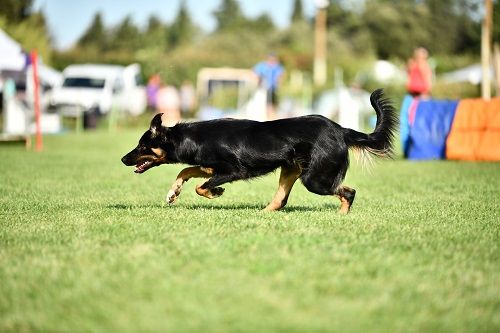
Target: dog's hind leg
(288,176)
(209,193)
(210,188)
(346,196)
(325,179)
(184,176)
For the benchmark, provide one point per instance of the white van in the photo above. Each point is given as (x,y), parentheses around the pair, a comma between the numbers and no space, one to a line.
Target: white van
(95,87)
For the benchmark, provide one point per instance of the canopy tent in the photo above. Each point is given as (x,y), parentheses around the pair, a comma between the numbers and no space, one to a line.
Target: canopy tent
(13,59)
(386,72)
(16,73)
(471,74)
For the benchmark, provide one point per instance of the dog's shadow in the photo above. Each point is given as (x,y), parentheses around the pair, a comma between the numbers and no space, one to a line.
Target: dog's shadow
(242,206)
(122,206)
(253,207)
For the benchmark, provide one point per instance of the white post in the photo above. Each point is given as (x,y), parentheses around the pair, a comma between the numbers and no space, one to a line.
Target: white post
(320,67)
(486,50)
(496,66)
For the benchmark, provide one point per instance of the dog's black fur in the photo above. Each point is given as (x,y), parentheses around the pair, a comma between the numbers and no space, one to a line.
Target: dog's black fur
(314,146)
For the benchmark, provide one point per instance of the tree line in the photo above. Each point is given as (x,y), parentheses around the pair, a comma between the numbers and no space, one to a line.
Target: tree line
(357,32)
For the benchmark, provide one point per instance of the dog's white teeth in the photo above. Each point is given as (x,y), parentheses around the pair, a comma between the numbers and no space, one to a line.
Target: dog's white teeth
(143,165)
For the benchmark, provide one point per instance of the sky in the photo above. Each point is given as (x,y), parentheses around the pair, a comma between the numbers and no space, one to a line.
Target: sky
(68,19)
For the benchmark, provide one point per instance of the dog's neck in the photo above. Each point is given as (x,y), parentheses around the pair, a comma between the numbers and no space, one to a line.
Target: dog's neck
(175,145)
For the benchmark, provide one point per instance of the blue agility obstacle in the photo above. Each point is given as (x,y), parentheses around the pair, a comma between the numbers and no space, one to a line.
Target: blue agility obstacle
(428,129)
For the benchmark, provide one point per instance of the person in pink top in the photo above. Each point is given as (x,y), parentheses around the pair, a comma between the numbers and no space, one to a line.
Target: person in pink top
(419,74)
(168,102)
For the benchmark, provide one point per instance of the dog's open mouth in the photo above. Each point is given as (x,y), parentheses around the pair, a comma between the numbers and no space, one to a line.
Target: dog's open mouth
(143,166)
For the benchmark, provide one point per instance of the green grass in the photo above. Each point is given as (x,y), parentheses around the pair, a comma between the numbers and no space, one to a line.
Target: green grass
(86,245)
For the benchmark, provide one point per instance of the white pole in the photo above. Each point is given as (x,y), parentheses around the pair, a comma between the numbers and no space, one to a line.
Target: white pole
(320,67)
(486,50)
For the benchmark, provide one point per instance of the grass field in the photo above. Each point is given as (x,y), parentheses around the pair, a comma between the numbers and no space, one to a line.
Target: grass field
(86,245)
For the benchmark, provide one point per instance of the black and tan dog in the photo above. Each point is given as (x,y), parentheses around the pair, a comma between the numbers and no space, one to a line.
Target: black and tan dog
(312,148)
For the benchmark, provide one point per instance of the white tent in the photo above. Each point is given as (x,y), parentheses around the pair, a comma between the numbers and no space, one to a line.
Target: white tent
(11,54)
(13,59)
(472,74)
(18,114)
(386,72)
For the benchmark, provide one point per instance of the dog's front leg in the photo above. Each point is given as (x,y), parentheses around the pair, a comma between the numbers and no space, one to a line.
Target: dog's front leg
(184,176)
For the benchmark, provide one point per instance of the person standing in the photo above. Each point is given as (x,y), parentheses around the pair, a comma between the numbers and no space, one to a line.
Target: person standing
(152,88)
(270,73)
(168,103)
(419,74)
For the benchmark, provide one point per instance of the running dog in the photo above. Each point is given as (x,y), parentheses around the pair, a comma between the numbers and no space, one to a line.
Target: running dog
(312,148)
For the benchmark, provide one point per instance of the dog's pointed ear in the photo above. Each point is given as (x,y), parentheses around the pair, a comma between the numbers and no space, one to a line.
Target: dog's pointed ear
(156,125)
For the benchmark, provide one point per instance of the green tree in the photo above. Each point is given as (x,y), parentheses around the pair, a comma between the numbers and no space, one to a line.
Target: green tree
(15,11)
(95,35)
(153,45)
(297,13)
(443,26)
(155,35)
(336,15)
(125,36)
(444,31)
(229,15)
(496,21)
(262,24)
(470,29)
(396,28)
(182,30)
(347,24)
(154,24)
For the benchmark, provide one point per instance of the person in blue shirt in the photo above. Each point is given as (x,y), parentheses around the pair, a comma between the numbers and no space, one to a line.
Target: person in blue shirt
(270,72)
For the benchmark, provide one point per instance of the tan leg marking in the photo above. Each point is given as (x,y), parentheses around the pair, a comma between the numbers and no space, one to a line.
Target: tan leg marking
(209,193)
(345,205)
(287,179)
(184,176)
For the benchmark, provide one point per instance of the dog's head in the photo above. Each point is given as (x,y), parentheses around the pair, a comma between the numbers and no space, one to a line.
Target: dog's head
(148,152)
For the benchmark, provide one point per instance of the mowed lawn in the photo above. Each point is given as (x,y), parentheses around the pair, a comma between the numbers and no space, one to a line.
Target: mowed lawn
(86,245)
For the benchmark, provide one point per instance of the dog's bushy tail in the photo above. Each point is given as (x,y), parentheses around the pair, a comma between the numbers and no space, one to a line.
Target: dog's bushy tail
(380,142)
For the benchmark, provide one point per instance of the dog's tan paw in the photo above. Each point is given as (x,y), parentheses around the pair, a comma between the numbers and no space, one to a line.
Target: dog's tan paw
(210,194)
(217,192)
(171,197)
(345,207)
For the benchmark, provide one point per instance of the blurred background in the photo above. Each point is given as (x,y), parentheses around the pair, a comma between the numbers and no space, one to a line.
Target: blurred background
(113,64)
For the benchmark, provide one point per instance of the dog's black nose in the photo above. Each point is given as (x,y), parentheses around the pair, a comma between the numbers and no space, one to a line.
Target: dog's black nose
(124,160)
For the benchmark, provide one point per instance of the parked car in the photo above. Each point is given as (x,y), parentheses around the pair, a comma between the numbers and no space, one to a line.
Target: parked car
(99,88)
